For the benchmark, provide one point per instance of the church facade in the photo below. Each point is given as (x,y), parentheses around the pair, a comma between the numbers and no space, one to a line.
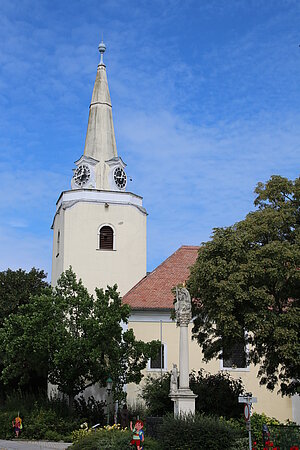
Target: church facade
(99,229)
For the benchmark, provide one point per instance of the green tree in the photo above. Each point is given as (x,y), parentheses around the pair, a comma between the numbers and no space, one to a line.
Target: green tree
(74,337)
(16,287)
(155,393)
(247,278)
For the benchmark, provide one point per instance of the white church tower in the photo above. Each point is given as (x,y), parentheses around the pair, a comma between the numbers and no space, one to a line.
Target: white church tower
(99,227)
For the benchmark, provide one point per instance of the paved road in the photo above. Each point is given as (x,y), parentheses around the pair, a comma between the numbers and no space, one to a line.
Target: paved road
(32,445)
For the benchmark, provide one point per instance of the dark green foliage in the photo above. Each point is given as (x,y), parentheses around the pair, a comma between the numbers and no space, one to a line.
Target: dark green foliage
(247,278)
(257,422)
(196,432)
(137,411)
(240,444)
(285,436)
(90,410)
(155,393)
(104,440)
(41,423)
(112,440)
(74,338)
(42,418)
(217,394)
(16,289)
(6,431)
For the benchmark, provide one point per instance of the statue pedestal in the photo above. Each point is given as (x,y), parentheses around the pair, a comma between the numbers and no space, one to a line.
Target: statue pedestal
(184,401)
(183,397)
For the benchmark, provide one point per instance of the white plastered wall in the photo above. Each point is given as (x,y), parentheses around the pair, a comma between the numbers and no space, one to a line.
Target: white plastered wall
(79,247)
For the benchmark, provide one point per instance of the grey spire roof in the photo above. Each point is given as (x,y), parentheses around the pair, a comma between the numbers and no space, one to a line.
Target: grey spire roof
(100,142)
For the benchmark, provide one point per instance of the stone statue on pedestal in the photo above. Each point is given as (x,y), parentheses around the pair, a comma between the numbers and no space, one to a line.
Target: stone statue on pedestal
(174,379)
(183,306)
(183,397)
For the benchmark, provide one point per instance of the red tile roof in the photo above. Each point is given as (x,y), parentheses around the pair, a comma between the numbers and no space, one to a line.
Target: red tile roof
(154,290)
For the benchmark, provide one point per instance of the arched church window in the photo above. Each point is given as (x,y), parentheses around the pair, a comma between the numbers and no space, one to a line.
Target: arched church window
(106,238)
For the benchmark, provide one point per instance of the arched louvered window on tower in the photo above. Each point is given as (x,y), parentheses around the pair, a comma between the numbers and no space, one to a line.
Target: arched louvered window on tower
(106,238)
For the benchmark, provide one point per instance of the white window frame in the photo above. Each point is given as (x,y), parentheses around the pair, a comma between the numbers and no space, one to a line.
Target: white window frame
(165,368)
(114,237)
(237,369)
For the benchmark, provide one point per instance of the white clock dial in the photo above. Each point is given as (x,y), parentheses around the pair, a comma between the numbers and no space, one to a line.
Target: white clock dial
(120,177)
(82,175)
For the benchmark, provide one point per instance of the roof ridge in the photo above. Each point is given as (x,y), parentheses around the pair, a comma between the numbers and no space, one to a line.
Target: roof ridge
(189,246)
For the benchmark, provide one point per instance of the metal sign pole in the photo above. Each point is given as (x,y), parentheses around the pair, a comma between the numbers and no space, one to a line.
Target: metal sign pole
(250,437)
(248,400)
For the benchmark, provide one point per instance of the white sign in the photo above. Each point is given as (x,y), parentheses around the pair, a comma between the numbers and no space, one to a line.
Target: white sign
(248,400)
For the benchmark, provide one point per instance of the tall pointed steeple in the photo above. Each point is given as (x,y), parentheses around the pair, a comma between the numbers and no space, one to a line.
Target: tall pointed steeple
(100,167)
(100,142)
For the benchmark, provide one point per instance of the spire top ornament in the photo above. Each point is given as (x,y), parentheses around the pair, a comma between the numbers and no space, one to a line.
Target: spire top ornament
(101,48)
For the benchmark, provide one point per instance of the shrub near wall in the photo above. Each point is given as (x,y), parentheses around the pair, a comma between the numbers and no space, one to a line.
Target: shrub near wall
(111,439)
(196,432)
(6,429)
(39,424)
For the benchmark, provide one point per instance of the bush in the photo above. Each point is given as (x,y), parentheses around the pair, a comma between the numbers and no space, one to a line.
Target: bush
(42,418)
(217,394)
(48,419)
(6,429)
(108,438)
(137,411)
(196,432)
(40,422)
(155,394)
(241,444)
(257,421)
(105,439)
(91,410)
(283,436)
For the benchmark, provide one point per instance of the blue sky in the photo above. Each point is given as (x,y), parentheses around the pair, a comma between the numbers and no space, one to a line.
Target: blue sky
(205,95)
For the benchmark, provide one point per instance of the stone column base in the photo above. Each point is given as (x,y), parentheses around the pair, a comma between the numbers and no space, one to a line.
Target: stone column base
(184,401)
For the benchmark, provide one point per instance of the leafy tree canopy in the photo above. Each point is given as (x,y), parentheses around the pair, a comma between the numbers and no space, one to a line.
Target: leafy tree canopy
(76,338)
(247,278)
(16,287)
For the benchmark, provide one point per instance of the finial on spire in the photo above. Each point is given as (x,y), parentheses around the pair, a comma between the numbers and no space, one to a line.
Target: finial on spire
(101,48)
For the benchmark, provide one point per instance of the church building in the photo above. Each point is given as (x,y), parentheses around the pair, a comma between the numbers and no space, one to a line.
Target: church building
(99,229)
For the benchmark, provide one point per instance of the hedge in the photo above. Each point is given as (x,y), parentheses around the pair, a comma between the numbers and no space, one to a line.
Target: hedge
(196,432)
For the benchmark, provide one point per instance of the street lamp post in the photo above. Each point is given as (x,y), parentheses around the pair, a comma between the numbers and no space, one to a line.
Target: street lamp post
(109,384)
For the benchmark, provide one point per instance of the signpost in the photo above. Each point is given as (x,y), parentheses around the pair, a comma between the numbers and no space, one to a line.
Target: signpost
(247,412)
(248,400)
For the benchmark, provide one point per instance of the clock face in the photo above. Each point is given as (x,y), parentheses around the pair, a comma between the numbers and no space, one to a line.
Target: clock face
(82,175)
(120,177)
